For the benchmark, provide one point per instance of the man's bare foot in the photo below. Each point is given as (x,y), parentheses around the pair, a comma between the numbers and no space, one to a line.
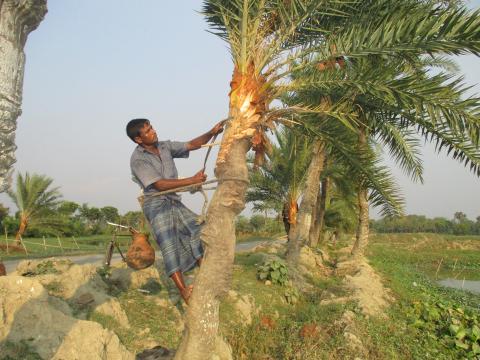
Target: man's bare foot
(186,293)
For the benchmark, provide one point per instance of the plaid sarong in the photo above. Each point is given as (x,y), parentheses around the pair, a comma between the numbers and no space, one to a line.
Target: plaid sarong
(176,231)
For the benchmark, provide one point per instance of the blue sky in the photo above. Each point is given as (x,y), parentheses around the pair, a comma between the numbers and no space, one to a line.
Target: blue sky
(93,65)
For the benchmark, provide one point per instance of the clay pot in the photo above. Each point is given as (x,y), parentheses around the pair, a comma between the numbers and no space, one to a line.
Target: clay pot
(3,271)
(140,254)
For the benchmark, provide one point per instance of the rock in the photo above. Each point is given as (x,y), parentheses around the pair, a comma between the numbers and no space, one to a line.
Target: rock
(245,306)
(113,308)
(156,353)
(268,282)
(84,300)
(353,341)
(26,314)
(309,262)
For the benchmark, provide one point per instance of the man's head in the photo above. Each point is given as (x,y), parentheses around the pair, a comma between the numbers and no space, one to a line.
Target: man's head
(141,132)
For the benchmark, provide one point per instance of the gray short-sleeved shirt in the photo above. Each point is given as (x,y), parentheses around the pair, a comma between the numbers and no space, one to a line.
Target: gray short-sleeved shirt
(147,168)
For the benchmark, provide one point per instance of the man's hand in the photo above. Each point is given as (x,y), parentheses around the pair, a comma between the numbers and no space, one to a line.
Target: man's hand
(218,128)
(199,177)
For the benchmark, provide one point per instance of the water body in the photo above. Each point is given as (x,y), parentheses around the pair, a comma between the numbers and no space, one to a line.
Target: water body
(470,285)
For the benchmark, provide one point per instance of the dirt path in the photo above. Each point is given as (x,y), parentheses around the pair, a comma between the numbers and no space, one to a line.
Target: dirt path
(97,259)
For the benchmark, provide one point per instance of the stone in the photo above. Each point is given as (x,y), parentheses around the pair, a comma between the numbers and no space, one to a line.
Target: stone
(245,306)
(113,308)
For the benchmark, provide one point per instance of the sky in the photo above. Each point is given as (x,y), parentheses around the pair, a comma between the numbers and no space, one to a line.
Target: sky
(94,65)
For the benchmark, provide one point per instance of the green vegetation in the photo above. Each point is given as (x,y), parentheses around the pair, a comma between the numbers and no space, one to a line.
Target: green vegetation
(274,271)
(459,225)
(21,350)
(71,245)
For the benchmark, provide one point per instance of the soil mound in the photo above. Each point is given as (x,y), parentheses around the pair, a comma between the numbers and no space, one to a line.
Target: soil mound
(28,315)
(367,287)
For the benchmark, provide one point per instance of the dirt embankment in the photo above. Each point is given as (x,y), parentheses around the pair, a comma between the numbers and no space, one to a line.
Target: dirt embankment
(45,303)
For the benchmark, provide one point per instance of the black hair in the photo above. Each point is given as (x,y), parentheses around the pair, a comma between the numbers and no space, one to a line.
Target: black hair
(134,126)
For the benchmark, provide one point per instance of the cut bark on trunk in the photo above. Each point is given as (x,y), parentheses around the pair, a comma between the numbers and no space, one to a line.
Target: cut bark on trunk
(21,229)
(17,19)
(299,234)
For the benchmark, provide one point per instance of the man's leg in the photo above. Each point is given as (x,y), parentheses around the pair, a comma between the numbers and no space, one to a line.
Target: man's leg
(185,291)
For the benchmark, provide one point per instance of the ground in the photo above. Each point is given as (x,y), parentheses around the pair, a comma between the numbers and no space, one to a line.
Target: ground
(323,316)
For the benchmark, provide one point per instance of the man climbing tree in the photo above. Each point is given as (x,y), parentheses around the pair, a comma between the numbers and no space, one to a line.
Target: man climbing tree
(174,226)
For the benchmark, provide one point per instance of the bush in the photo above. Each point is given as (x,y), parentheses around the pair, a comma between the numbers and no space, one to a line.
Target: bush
(273,270)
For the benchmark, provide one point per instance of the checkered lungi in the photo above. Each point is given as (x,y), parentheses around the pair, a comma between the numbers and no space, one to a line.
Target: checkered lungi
(176,232)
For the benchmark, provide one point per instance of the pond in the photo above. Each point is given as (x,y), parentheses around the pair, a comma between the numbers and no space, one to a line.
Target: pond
(470,285)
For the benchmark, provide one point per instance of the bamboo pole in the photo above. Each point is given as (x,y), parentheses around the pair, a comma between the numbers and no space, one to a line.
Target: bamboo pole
(78,247)
(438,268)
(6,238)
(455,264)
(60,243)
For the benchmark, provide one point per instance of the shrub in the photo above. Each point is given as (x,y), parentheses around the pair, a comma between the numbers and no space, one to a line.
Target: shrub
(273,270)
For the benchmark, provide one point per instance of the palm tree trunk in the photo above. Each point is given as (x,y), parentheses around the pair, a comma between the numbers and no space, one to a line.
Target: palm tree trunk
(361,240)
(299,233)
(17,20)
(317,229)
(200,340)
(21,229)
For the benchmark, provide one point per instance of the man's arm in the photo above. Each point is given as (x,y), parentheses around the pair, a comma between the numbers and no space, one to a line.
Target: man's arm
(196,143)
(169,184)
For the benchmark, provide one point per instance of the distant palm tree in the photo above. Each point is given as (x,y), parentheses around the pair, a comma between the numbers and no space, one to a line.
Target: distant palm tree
(36,201)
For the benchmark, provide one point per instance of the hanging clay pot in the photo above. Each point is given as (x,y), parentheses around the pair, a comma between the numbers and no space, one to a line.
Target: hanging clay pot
(140,254)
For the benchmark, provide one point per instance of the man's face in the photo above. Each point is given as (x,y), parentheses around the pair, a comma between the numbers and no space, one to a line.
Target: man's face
(148,135)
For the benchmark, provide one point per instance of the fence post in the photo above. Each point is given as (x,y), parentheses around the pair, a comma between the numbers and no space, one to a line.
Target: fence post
(60,243)
(24,247)
(6,238)
(76,242)
(44,244)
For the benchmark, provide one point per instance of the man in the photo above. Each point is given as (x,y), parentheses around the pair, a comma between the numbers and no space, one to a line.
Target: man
(174,226)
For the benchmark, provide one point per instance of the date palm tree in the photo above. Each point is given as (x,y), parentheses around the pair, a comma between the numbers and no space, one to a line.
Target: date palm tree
(36,201)
(264,37)
(278,183)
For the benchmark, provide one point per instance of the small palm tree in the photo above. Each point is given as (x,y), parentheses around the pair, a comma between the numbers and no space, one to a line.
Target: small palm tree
(36,201)
(278,183)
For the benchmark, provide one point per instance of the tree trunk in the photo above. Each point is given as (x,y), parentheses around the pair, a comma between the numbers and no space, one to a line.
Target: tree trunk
(200,340)
(21,229)
(361,240)
(17,19)
(317,228)
(299,233)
